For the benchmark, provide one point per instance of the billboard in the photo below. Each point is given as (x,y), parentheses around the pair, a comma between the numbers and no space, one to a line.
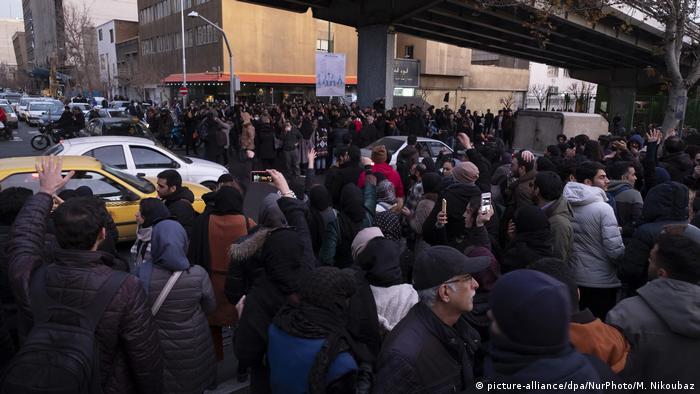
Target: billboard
(406,73)
(330,74)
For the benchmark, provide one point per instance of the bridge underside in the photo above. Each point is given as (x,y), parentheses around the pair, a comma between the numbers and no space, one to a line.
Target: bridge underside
(572,44)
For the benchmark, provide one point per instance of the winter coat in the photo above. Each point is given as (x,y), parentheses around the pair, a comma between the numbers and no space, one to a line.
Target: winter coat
(180,205)
(338,177)
(628,201)
(188,350)
(265,142)
(662,324)
(247,139)
(526,249)
(519,194)
(131,359)
(560,216)
(679,165)
(335,248)
(590,335)
(279,257)
(424,355)
(389,173)
(665,204)
(597,239)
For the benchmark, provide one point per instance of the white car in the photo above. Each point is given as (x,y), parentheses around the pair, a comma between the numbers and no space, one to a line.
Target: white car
(427,147)
(37,109)
(22,106)
(140,157)
(83,107)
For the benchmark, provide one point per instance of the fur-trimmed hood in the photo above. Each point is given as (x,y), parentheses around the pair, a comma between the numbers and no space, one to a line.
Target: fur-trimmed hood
(249,246)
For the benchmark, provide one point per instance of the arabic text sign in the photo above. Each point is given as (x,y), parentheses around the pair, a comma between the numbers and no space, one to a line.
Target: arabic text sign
(406,73)
(330,74)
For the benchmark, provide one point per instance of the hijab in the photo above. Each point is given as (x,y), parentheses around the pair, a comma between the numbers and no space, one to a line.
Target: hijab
(168,250)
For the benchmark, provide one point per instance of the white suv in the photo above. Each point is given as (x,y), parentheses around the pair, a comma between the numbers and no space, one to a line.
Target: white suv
(140,157)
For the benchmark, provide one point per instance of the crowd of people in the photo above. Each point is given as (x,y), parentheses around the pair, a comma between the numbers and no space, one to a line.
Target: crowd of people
(485,267)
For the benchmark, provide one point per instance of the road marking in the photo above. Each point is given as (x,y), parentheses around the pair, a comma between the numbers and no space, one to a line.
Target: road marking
(33,132)
(16,139)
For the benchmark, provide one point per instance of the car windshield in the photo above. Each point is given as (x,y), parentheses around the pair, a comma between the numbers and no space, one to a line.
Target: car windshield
(124,128)
(391,144)
(142,185)
(7,108)
(40,106)
(56,109)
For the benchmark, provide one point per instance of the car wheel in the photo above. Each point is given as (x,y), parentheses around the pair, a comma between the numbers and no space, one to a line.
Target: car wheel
(211,185)
(40,142)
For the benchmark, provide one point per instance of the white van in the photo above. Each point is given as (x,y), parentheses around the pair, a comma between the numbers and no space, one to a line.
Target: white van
(535,130)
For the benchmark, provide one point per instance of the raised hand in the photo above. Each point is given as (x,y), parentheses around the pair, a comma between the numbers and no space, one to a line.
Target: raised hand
(49,171)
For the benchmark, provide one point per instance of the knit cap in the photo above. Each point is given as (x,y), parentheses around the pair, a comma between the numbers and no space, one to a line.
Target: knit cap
(379,154)
(465,172)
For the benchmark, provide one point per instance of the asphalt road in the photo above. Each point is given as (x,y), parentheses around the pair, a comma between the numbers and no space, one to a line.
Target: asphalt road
(19,145)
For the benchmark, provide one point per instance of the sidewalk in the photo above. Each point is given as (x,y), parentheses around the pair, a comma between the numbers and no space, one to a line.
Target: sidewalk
(227,370)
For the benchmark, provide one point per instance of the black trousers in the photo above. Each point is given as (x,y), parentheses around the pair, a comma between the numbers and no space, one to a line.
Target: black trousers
(599,300)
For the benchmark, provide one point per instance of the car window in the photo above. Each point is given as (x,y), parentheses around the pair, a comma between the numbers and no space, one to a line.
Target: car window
(39,106)
(150,158)
(435,148)
(112,155)
(127,128)
(54,150)
(8,109)
(101,186)
(143,185)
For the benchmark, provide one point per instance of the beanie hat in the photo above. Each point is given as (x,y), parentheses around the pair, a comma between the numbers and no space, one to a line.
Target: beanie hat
(638,139)
(465,172)
(379,154)
(662,175)
(530,218)
(532,309)
(362,239)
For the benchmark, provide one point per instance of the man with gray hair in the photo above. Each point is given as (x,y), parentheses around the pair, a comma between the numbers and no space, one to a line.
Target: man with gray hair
(432,349)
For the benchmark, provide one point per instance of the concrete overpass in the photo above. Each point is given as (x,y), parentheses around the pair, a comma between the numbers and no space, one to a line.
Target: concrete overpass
(604,52)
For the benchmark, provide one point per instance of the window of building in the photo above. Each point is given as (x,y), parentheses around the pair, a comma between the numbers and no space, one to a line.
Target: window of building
(99,33)
(322,45)
(102,62)
(408,52)
(554,90)
(189,38)
(552,71)
(111,35)
(177,41)
(566,73)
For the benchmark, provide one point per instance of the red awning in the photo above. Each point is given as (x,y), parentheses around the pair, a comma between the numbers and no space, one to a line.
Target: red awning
(290,79)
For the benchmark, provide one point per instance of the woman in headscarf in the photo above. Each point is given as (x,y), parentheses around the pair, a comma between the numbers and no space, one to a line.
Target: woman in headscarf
(356,212)
(188,352)
(151,211)
(214,232)
(310,349)
(531,240)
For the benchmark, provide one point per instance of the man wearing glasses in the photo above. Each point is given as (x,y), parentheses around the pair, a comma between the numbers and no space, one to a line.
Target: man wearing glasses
(432,348)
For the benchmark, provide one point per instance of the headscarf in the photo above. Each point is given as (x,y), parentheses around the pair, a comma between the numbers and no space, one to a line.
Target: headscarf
(431,182)
(168,250)
(319,201)
(362,239)
(152,211)
(386,192)
(380,260)
(227,201)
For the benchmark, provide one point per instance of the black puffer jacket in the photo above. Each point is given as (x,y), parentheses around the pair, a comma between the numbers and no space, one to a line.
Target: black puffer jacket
(679,165)
(665,204)
(131,360)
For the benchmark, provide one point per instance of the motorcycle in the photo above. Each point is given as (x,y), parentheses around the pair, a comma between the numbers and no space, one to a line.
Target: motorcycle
(5,131)
(49,135)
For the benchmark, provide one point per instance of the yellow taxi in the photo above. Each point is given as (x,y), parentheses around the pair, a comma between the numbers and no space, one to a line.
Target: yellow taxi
(120,191)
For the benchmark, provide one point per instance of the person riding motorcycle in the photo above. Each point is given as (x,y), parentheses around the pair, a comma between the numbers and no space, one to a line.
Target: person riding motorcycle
(65,123)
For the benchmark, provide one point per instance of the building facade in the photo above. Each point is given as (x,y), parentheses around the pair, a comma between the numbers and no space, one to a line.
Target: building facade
(8,28)
(19,45)
(551,87)
(273,50)
(44,33)
(128,71)
(109,35)
(476,79)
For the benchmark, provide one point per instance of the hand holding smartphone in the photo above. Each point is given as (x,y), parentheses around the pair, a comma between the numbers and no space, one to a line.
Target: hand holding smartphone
(260,177)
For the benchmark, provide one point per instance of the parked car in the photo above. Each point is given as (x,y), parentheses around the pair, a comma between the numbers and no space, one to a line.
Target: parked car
(37,109)
(12,97)
(140,157)
(427,147)
(12,121)
(117,126)
(21,107)
(83,107)
(120,191)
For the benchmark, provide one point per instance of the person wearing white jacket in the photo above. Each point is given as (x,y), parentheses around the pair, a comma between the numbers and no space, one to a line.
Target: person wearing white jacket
(597,240)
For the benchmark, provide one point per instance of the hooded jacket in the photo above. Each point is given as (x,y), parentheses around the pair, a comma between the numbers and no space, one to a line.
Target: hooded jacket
(190,363)
(180,205)
(678,165)
(665,204)
(597,239)
(662,325)
(560,216)
(628,201)
(130,355)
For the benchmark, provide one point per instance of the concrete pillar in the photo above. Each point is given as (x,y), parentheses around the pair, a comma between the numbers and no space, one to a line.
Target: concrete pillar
(375,65)
(621,103)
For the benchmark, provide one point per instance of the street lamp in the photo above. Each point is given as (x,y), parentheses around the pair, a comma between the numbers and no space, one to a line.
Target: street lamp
(232,85)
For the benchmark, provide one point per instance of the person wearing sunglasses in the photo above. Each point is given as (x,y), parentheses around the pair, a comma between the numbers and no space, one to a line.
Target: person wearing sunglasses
(432,349)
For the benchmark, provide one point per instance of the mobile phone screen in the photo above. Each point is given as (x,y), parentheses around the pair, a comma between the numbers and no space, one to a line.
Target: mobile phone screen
(485,202)
(260,177)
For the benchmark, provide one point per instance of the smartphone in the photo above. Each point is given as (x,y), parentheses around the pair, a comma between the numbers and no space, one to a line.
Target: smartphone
(260,177)
(485,202)
(444,206)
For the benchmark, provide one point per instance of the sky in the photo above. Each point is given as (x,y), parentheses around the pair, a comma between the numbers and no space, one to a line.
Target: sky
(11,9)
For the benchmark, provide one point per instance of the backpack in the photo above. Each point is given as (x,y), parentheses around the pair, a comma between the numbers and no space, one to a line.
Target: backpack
(60,358)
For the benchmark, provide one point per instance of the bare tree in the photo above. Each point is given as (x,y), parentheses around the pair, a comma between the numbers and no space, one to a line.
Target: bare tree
(508,101)
(539,92)
(582,95)
(81,46)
